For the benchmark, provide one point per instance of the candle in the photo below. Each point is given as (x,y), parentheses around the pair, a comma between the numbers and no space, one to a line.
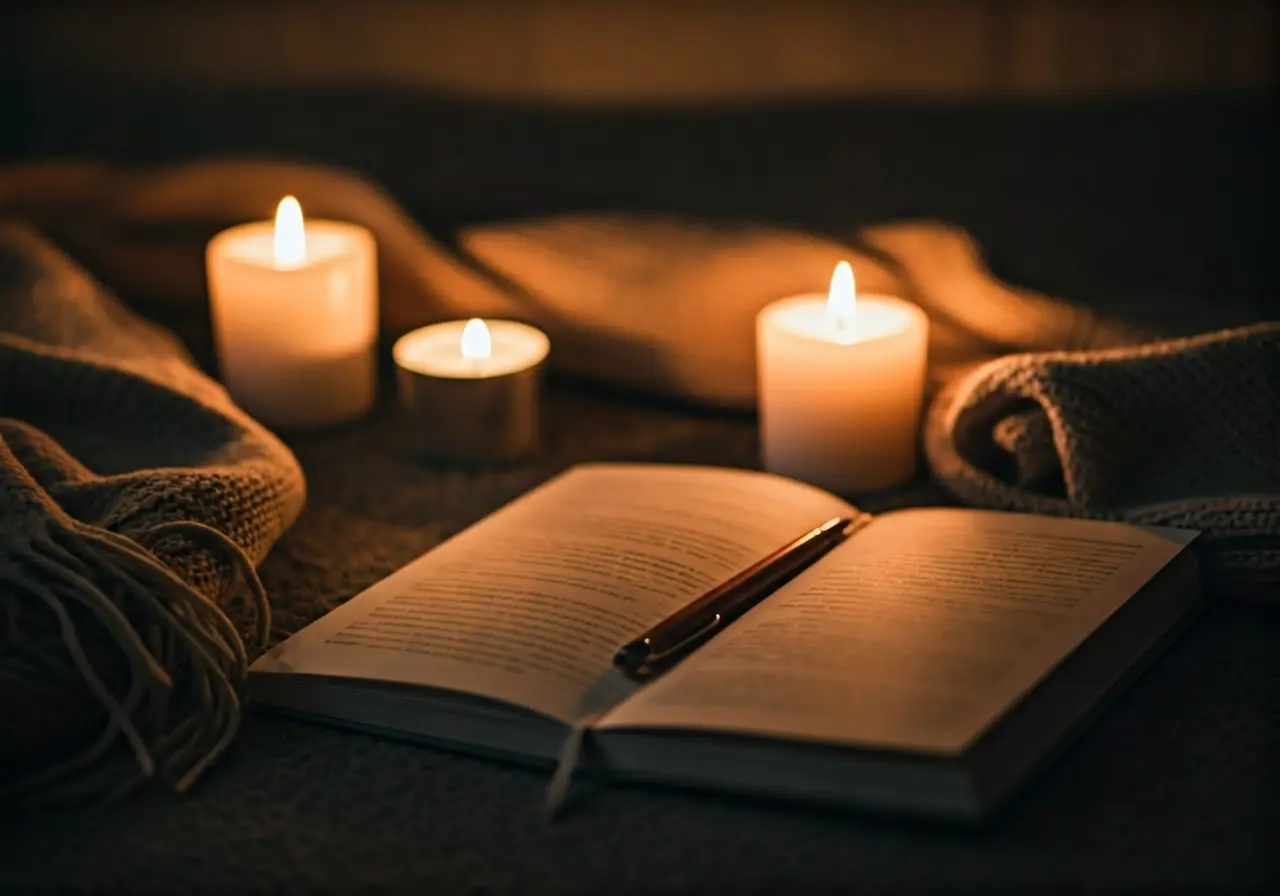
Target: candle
(295,317)
(469,390)
(841,384)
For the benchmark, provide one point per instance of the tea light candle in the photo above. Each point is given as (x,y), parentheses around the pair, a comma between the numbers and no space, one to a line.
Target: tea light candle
(469,390)
(295,317)
(841,383)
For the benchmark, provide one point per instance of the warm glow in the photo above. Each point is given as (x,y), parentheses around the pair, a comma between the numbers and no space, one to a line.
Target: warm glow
(476,343)
(291,237)
(842,302)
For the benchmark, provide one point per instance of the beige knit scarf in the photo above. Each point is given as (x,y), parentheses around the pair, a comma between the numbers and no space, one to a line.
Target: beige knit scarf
(135,489)
(135,501)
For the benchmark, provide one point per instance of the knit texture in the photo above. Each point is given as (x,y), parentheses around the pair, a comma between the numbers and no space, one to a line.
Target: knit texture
(135,502)
(1182,432)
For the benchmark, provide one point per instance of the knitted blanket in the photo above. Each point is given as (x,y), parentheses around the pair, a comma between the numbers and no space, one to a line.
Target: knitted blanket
(1179,432)
(152,494)
(135,501)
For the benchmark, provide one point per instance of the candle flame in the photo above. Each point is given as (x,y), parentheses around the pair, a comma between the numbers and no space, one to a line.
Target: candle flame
(842,301)
(477,345)
(291,236)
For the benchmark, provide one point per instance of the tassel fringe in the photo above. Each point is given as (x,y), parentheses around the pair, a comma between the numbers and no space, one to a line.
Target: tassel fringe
(176,702)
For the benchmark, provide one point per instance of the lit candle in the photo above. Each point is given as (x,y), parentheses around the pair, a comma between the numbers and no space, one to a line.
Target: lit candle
(470,390)
(841,383)
(295,317)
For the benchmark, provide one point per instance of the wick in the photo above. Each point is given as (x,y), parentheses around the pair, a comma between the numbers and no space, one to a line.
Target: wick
(845,326)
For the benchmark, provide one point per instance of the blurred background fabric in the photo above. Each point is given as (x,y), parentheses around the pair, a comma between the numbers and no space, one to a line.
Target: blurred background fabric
(1143,426)
(1133,136)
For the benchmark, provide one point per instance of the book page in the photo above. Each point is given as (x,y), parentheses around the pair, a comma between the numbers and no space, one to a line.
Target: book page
(915,634)
(529,605)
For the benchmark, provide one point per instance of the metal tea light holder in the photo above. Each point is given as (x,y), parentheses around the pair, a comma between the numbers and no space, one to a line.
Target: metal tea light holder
(470,391)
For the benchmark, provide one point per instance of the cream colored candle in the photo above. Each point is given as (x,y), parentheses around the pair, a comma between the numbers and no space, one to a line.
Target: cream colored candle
(841,383)
(295,317)
(470,390)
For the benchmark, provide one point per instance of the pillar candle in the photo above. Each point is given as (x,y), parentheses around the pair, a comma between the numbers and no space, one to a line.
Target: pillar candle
(469,390)
(840,387)
(295,317)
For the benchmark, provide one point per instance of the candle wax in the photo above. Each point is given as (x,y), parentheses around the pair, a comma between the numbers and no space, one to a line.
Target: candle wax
(436,350)
(296,341)
(840,402)
(471,400)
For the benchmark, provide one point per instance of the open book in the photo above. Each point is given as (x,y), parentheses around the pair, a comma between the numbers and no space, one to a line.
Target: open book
(925,665)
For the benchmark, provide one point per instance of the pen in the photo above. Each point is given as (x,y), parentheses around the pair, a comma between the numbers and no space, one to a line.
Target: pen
(676,636)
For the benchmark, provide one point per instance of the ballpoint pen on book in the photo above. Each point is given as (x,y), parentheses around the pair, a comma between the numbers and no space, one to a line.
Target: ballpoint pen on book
(675,637)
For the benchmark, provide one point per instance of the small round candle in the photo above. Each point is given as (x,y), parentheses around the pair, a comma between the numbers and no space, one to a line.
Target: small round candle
(841,383)
(470,390)
(294,307)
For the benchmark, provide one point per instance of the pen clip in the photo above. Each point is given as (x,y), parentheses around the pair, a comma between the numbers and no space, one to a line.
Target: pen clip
(684,642)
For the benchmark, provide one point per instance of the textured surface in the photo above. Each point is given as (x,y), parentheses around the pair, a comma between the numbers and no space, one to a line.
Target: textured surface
(1176,785)
(135,499)
(1184,433)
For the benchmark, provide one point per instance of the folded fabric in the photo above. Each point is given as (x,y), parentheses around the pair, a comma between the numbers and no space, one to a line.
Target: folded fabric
(1043,405)
(1181,432)
(657,305)
(668,306)
(135,501)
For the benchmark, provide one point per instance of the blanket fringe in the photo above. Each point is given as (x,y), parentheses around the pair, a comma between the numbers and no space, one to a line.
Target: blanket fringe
(175,701)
